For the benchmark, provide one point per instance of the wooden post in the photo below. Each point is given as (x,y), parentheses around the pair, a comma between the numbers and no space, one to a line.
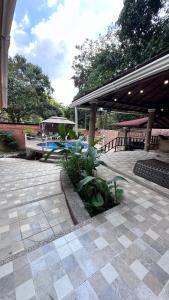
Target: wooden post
(149,129)
(92,122)
(76,120)
(125,138)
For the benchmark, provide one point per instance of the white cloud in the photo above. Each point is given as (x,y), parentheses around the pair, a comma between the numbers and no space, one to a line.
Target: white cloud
(55,38)
(25,21)
(52,2)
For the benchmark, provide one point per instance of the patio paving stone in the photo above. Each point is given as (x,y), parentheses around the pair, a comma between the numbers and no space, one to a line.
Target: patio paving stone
(121,254)
(32,203)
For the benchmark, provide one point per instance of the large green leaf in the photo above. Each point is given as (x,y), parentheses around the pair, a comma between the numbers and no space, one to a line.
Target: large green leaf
(48,154)
(100,162)
(111,186)
(60,145)
(84,181)
(119,194)
(97,200)
(117,178)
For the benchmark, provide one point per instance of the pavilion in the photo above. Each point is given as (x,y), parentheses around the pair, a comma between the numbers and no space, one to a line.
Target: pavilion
(143,89)
(52,124)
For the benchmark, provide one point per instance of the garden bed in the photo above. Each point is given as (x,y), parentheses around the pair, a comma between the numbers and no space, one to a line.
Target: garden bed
(97,195)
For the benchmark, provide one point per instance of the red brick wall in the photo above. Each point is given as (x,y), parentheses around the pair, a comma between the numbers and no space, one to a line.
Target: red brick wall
(18,131)
(109,135)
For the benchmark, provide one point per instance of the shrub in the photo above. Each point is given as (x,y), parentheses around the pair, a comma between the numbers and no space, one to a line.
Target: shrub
(7,139)
(28,131)
(98,194)
(81,164)
(67,133)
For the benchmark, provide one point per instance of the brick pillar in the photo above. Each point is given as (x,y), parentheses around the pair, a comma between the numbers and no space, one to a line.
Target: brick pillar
(149,129)
(92,122)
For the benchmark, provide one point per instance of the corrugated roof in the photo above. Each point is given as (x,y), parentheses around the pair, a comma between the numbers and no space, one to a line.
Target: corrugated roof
(58,120)
(132,123)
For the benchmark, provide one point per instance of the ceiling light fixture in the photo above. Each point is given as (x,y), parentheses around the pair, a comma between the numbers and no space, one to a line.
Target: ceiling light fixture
(162,109)
(166,81)
(115,100)
(141,91)
(129,93)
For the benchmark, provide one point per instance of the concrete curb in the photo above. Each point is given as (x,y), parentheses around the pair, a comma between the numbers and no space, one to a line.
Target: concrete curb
(76,207)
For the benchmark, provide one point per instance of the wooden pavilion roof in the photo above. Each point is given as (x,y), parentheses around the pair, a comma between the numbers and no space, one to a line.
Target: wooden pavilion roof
(142,88)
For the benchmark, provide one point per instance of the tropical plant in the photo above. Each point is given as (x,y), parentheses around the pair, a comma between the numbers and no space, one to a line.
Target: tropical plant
(82,163)
(118,192)
(98,194)
(62,131)
(7,139)
(67,133)
(28,131)
(72,135)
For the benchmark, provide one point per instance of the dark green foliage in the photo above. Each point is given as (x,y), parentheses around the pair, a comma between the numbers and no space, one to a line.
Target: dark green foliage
(81,164)
(141,32)
(7,139)
(98,194)
(29,92)
(83,117)
(118,192)
(67,133)
(62,131)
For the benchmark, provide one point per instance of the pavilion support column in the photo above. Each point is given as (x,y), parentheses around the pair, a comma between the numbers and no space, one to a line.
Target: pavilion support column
(92,122)
(76,119)
(149,129)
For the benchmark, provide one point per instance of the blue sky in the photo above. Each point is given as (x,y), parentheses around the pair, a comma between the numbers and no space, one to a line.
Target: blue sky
(46,32)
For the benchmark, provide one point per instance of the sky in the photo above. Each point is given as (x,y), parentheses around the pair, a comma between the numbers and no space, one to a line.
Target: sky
(47,31)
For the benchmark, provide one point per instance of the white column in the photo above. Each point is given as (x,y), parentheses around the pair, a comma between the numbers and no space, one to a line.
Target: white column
(92,122)
(76,119)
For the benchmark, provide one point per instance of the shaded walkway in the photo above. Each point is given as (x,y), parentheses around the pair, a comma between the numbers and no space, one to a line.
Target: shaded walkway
(32,205)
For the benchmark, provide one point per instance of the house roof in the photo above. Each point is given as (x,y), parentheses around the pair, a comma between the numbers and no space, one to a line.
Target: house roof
(58,120)
(132,123)
(7,8)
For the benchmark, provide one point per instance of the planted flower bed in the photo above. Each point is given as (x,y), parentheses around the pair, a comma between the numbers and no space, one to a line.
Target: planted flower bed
(97,194)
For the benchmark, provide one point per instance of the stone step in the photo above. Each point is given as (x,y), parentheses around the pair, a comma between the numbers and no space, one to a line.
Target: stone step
(50,160)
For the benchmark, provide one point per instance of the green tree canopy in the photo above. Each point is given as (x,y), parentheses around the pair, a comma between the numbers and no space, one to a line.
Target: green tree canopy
(29,92)
(143,29)
(141,32)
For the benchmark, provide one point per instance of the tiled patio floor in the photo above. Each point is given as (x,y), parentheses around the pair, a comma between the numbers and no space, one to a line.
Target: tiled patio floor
(124,162)
(32,205)
(120,255)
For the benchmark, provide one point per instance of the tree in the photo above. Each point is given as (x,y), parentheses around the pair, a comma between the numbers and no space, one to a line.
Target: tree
(83,117)
(96,62)
(142,31)
(29,92)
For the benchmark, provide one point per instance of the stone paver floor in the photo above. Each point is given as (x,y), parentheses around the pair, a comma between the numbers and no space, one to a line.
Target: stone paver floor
(32,205)
(124,162)
(122,254)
